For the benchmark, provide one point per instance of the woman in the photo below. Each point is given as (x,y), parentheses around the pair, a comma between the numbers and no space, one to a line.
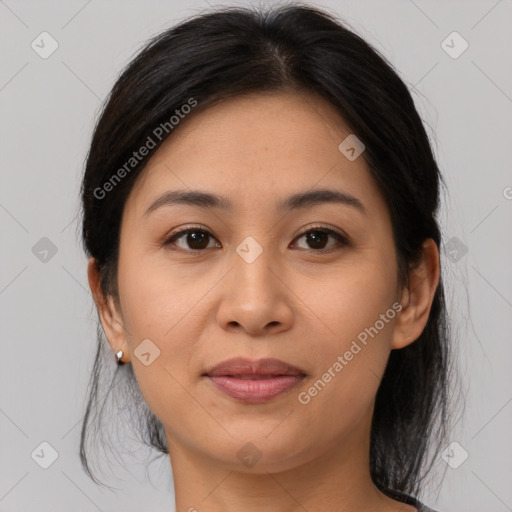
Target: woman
(259,210)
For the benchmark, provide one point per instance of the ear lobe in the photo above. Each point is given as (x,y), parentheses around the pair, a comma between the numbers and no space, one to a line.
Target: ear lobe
(418,296)
(111,319)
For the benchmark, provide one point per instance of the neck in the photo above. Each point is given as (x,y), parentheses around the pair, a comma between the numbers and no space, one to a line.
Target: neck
(336,480)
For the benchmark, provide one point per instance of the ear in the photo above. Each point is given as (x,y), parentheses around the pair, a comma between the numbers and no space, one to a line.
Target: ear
(109,312)
(417,297)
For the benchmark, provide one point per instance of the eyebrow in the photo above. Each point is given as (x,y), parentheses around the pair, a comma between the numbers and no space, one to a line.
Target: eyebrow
(296,201)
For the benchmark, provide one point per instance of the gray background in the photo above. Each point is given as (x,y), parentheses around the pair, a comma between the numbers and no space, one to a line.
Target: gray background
(48,107)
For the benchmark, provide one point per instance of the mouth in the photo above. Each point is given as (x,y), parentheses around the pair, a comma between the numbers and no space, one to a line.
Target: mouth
(254,381)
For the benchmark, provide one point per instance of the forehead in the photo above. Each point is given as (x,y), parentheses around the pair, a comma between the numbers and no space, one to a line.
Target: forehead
(256,147)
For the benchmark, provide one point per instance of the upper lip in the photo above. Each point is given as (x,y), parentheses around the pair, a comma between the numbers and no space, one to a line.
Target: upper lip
(245,366)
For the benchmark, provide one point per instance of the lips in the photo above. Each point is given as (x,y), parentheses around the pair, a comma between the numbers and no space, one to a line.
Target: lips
(242,367)
(254,381)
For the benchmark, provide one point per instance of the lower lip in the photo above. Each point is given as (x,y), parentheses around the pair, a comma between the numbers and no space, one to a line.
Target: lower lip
(255,390)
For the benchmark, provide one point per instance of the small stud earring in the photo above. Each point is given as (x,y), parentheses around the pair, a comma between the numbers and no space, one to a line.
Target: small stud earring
(119,355)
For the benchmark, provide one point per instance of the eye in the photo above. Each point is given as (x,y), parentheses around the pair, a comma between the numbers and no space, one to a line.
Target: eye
(317,238)
(196,238)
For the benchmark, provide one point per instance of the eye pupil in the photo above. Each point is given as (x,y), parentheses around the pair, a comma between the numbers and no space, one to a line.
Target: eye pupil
(318,238)
(197,236)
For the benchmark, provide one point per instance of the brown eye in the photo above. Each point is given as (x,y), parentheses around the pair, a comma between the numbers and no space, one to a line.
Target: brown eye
(318,238)
(193,239)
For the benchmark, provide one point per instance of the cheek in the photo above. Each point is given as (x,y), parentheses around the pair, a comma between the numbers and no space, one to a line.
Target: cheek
(157,307)
(157,299)
(351,299)
(355,332)
(348,368)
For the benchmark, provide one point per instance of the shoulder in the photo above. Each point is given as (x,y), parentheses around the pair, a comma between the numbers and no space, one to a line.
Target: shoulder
(410,500)
(423,508)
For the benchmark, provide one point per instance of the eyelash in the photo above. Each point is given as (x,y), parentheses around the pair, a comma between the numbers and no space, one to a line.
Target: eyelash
(341,239)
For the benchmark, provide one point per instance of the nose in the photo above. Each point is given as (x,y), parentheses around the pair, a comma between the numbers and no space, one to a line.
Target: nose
(255,297)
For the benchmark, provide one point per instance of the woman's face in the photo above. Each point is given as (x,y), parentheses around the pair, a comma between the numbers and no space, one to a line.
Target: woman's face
(250,282)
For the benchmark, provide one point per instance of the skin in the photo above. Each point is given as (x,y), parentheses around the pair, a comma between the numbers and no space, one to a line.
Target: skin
(298,302)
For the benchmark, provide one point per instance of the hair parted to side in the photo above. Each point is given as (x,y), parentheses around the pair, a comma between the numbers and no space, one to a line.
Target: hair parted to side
(232,51)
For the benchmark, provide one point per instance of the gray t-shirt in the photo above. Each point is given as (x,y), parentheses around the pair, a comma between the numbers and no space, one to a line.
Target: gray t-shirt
(410,501)
(423,508)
